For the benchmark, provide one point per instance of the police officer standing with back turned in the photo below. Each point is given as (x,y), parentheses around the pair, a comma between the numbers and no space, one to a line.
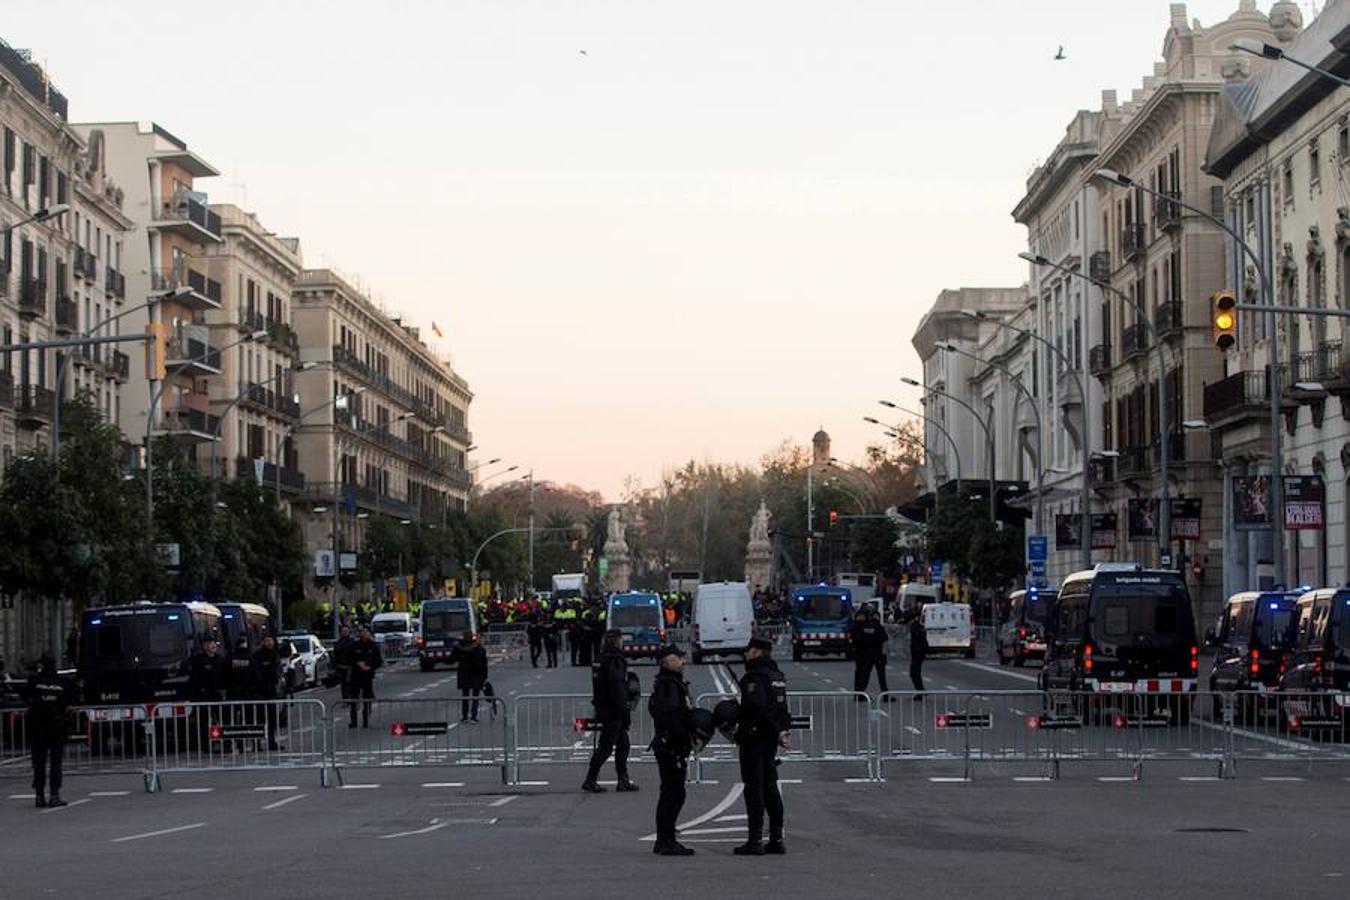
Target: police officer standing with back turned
(670,708)
(366,658)
(918,651)
(609,696)
(267,677)
(764,724)
(868,639)
(48,700)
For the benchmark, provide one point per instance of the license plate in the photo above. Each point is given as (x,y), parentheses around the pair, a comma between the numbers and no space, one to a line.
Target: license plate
(811,643)
(435,643)
(1034,646)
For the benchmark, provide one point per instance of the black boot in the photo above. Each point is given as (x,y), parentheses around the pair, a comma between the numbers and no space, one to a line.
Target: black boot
(591,787)
(41,801)
(625,785)
(55,801)
(672,848)
(775,846)
(752,847)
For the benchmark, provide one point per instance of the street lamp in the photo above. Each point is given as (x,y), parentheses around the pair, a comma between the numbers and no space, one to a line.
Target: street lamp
(48,212)
(951,441)
(497,475)
(988,435)
(1269,51)
(220,422)
(1272,376)
(949,347)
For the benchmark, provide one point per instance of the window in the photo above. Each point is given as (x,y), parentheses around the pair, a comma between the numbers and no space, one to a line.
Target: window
(1343,141)
(1287,182)
(1314,165)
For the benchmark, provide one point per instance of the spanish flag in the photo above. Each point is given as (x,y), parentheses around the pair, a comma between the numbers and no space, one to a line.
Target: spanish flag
(436,331)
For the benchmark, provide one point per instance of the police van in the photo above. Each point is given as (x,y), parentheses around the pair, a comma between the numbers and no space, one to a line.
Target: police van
(950,628)
(242,629)
(1315,688)
(1123,630)
(641,618)
(444,621)
(1253,643)
(1022,635)
(820,619)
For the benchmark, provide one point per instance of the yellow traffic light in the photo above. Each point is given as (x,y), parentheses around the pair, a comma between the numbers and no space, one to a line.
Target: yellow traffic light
(156,350)
(1223,308)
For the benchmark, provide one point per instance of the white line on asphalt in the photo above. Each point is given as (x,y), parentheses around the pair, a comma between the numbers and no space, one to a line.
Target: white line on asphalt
(1031,779)
(275,787)
(504,800)
(1195,779)
(1281,778)
(1252,735)
(951,687)
(732,796)
(857,781)
(162,831)
(110,793)
(1004,672)
(436,825)
(533,783)
(731,829)
(789,781)
(736,817)
(357,787)
(442,784)
(191,790)
(1114,779)
(69,805)
(284,800)
(940,779)
(734,840)
(23,796)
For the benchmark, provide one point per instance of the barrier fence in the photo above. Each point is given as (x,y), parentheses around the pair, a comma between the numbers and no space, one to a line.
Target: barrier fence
(845,731)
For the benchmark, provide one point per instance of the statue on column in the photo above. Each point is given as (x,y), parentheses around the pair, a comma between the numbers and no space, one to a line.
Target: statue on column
(616,554)
(759,552)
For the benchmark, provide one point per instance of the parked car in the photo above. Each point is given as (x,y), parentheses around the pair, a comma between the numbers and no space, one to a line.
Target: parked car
(310,661)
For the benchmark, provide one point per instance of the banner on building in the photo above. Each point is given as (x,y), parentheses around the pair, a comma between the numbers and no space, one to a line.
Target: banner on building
(1186,519)
(1304,497)
(1251,503)
(1068,531)
(1104,527)
(1142,519)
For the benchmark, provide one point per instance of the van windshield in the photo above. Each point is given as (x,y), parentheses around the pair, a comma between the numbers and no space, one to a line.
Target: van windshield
(449,621)
(635,616)
(1036,608)
(1275,623)
(389,626)
(1142,611)
(821,606)
(115,642)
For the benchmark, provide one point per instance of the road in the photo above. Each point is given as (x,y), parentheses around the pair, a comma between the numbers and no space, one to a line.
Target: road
(431,829)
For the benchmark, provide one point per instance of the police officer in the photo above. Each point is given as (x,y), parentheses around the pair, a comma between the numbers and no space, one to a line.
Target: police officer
(472,674)
(868,638)
(208,673)
(669,707)
(48,699)
(535,632)
(550,634)
(609,696)
(266,670)
(365,657)
(764,724)
(918,651)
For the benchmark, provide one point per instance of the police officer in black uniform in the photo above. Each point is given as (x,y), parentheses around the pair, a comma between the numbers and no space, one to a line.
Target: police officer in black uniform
(670,708)
(471,675)
(365,659)
(267,676)
(208,673)
(764,724)
(609,696)
(868,636)
(535,632)
(918,651)
(550,634)
(48,700)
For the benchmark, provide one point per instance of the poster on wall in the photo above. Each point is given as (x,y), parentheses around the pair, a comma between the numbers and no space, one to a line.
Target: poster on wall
(1142,518)
(1104,531)
(1304,497)
(1251,503)
(1186,519)
(1068,531)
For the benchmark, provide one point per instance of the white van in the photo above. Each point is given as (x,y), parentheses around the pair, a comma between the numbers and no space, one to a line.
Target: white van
(913,595)
(949,627)
(724,619)
(394,633)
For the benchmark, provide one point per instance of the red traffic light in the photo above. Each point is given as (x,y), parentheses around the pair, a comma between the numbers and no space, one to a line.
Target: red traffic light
(834,517)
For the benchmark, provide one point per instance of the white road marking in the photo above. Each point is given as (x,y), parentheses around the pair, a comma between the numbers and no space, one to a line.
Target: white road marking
(733,829)
(1031,779)
(533,783)
(162,831)
(436,825)
(69,805)
(275,787)
(737,817)
(191,790)
(951,687)
(357,787)
(1195,779)
(110,793)
(1281,778)
(1255,736)
(504,800)
(948,780)
(789,781)
(1115,779)
(284,800)
(442,784)
(732,796)
(857,781)
(23,796)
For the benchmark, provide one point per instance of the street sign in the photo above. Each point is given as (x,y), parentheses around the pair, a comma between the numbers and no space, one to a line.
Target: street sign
(965,720)
(418,729)
(937,569)
(1038,548)
(323,564)
(170,555)
(801,723)
(347,562)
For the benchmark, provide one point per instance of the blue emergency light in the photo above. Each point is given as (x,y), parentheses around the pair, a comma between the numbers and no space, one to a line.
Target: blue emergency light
(96,622)
(173,618)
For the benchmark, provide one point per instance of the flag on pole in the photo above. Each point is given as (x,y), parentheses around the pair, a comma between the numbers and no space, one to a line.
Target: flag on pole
(436,330)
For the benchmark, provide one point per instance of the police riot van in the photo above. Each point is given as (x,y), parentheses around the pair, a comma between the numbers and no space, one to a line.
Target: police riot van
(641,618)
(1315,688)
(444,621)
(393,631)
(242,629)
(140,653)
(950,628)
(1022,635)
(820,617)
(1120,629)
(1253,643)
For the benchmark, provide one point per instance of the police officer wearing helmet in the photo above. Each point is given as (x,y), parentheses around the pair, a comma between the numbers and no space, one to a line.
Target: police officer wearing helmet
(763,728)
(48,700)
(673,742)
(610,696)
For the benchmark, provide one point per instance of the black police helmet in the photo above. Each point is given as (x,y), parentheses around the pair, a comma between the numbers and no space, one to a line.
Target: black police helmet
(702,726)
(726,715)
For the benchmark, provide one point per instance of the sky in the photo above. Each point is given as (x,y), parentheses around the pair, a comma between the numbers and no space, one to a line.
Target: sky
(714,229)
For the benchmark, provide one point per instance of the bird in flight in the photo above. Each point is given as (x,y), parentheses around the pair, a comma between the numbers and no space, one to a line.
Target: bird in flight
(584,53)
(1060,54)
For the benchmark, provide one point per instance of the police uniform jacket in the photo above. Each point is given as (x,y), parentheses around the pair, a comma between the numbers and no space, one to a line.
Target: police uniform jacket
(48,699)
(609,686)
(473,665)
(669,706)
(367,652)
(764,710)
(208,677)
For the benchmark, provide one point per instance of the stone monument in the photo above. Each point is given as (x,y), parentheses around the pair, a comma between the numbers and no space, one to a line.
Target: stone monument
(616,554)
(759,552)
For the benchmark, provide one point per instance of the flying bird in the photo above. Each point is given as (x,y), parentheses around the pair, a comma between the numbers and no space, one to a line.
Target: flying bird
(1060,54)
(584,53)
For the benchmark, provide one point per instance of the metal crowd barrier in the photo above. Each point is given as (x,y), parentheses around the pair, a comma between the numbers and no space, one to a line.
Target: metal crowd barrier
(404,733)
(875,735)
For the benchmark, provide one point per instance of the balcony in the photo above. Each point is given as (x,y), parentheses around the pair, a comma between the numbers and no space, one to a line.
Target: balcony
(1133,240)
(250,320)
(190,352)
(34,406)
(282,336)
(32,298)
(1168,319)
(365,498)
(119,365)
(1176,448)
(115,283)
(267,400)
(1167,211)
(90,267)
(190,287)
(292,481)
(459,432)
(1133,462)
(77,268)
(1099,361)
(67,315)
(1134,342)
(1099,266)
(1241,397)
(6,390)
(460,478)
(1101,470)
(190,424)
(186,214)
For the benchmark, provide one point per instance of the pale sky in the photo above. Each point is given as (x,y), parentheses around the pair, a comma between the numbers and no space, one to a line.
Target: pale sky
(716,229)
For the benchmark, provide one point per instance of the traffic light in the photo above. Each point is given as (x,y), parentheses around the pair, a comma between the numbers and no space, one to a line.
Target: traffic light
(834,517)
(1223,316)
(156,350)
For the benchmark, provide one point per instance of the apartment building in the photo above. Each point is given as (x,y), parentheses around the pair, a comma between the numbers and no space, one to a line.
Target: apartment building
(1281,144)
(385,427)
(166,279)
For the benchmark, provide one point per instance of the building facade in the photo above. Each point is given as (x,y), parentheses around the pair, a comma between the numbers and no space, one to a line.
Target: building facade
(385,430)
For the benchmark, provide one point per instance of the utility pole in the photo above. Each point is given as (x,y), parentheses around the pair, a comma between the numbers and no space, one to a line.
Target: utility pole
(810,522)
(531,477)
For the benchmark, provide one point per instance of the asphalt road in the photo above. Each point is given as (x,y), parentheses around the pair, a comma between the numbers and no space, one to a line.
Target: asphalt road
(406,823)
